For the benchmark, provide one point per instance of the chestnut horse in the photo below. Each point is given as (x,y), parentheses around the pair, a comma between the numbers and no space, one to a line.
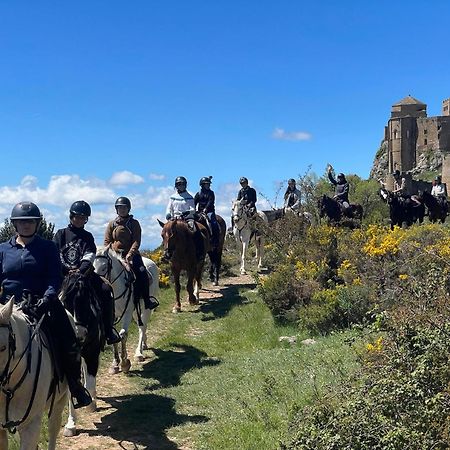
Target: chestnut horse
(180,250)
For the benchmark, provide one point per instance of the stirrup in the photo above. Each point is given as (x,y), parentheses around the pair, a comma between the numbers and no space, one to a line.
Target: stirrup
(81,398)
(113,337)
(151,303)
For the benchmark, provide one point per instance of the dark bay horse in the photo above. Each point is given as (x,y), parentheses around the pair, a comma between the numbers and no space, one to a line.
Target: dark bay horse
(436,210)
(401,210)
(79,299)
(332,209)
(216,248)
(180,250)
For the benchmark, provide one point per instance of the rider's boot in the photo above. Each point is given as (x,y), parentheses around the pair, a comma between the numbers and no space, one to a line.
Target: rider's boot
(111,335)
(71,362)
(199,246)
(150,302)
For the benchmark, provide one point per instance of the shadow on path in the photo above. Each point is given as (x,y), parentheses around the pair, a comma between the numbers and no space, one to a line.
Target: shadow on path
(170,365)
(143,420)
(217,308)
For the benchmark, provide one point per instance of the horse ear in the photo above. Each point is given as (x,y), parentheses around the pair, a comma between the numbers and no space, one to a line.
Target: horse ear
(6,311)
(161,223)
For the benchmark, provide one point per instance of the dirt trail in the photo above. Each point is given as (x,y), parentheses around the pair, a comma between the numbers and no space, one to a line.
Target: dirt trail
(102,429)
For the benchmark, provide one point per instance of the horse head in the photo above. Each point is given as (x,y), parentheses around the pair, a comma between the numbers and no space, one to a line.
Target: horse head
(169,237)
(238,210)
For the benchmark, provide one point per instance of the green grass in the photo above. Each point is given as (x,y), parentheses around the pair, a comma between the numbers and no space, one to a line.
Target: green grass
(231,383)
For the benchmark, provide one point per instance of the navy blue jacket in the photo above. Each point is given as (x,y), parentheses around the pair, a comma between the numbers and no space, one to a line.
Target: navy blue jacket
(36,267)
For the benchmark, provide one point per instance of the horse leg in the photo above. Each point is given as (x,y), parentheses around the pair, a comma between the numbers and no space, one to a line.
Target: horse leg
(259,251)
(70,428)
(55,420)
(3,439)
(177,306)
(125,363)
(145,315)
(116,360)
(29,434)
(190,288)
(244,249)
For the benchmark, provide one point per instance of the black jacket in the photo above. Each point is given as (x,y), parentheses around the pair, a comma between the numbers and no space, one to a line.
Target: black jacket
(249,196)
(341,191)
(204,201)
(76,248)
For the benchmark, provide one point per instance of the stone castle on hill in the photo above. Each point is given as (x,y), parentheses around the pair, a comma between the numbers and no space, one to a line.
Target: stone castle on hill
(414,143)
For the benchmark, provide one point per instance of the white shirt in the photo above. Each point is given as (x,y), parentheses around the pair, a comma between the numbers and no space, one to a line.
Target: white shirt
(438,190)
(180,203)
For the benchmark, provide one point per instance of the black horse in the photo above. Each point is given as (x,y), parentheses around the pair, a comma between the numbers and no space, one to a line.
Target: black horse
(336,213)
(402,210)
(437,210)
(216,247)
(79,299)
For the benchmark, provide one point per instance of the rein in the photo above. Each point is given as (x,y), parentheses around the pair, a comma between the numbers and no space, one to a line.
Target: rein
(5,377)
(128,284)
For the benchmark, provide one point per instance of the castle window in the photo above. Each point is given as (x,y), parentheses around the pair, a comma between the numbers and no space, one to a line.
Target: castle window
(439,127)
(425,131)
(439,135)
(425,142)
(395,134)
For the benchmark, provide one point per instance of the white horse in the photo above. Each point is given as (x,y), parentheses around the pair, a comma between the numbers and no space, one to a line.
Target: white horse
(110,265)
(245,227)
(26,382)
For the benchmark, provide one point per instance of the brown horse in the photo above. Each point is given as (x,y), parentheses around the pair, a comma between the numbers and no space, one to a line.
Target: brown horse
(180,250)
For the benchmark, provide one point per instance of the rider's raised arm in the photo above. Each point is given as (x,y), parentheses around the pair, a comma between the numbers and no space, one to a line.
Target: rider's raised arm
(331,178)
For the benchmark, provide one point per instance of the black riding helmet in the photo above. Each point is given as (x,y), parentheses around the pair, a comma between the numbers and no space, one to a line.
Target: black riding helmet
(438,179)
(291,180)
(205,180)
(123,201)
(80,208)
(25,210)
(243,180)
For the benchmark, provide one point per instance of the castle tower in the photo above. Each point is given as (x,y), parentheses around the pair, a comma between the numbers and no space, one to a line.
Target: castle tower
(446,107)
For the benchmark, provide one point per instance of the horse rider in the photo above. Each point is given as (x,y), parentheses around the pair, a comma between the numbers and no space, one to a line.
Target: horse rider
(439,192)
(248,195)
(77,252)
(341,189)
(182,206)
(400,189)
(204,203)
(30,269)
(292,197)
(123,234)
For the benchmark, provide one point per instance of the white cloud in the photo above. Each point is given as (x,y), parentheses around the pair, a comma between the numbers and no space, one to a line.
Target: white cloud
(157,176)
(125,177)
(283,135)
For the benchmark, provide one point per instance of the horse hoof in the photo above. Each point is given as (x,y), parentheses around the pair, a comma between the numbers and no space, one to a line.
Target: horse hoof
(113,370)
(126,366)
(92,407)
(176,309)
(139,358)
(216,283)
(144,347)
(69,432)
(243,272)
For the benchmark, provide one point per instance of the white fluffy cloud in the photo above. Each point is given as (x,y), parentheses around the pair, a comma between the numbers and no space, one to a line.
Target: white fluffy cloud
(157,176)
(283,135)
(125,177)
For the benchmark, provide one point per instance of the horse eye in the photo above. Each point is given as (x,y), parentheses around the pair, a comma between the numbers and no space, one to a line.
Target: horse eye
(2,348)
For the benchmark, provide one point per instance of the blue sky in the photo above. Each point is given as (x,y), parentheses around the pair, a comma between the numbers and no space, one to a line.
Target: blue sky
(106,98)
